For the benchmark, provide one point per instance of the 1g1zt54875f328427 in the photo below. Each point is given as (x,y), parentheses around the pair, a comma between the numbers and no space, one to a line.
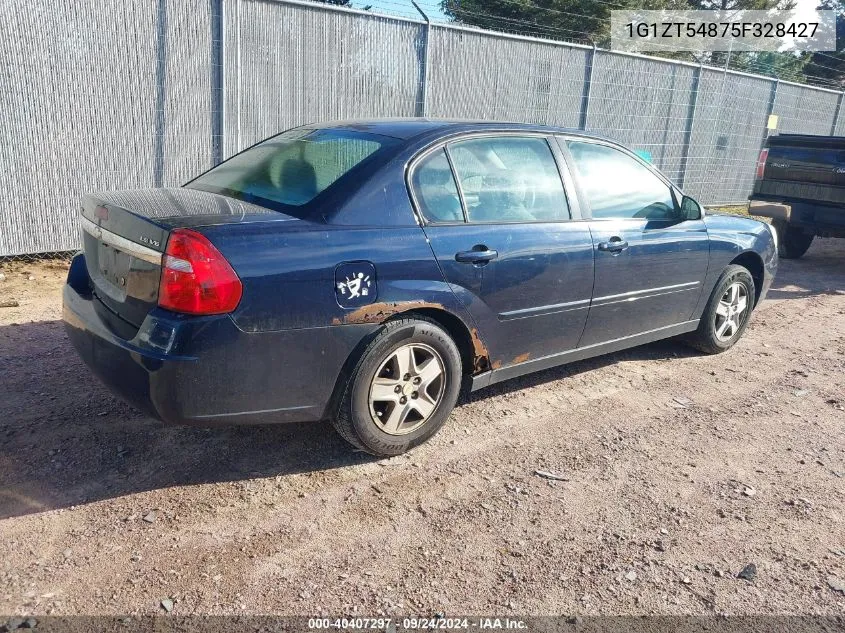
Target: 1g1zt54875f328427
(363,272)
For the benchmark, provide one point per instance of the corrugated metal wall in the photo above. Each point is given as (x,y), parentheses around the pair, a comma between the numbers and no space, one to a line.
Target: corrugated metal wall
(125,104)
(115,95)
(727,133)
(802,110)
(644,104)
(476,75)
(287,65)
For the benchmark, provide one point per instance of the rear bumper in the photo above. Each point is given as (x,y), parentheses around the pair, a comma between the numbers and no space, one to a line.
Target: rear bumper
(825,220)
(204,370)
(774,210)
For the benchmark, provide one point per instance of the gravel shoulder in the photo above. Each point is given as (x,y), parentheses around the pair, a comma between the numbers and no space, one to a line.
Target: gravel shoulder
(675,472)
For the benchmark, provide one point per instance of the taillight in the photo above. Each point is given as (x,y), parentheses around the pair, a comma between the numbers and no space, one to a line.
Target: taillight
(195,277)
(761,162)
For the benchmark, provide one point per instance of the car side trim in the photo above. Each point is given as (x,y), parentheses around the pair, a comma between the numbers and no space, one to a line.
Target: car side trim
(525,313)
(127,246)
(486,379)
(582,304)
(645,293)
(211,416)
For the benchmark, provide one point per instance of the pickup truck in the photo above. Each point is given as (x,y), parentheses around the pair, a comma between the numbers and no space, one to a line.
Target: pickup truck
(800,185)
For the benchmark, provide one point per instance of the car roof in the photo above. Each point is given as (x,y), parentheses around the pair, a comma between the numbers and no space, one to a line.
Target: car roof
(412,128)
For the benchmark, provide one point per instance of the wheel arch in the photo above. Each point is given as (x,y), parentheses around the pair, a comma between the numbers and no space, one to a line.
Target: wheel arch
(474,355)
(753,263)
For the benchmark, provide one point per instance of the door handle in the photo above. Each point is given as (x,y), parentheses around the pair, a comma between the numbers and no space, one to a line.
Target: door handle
(479,255)
(615,245)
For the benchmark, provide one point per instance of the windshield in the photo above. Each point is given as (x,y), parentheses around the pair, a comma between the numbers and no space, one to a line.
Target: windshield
(291,169)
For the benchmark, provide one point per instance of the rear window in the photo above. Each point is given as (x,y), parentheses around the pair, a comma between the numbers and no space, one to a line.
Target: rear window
(293,168)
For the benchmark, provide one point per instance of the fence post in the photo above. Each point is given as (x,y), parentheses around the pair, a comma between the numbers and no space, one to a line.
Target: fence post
(836,115)
(693,104)
(588,86)
(238,89)
(161,94)
(423,110)
(217,101)
(772,99)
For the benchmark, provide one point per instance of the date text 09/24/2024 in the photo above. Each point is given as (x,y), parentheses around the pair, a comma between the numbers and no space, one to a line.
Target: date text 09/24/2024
(417,624)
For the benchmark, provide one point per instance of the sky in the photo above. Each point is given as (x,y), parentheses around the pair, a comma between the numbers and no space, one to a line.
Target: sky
(403,8)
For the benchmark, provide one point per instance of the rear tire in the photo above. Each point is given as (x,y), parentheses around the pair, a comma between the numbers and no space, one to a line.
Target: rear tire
(792,241)
(727,313)
(402,389)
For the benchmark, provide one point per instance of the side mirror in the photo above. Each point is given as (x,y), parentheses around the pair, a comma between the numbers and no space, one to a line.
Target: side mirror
(690,209)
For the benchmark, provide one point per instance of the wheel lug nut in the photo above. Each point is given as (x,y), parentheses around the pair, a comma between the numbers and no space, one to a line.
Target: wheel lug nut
(406,377)
(417,380)
(415,395)
(403,400)
(397,389)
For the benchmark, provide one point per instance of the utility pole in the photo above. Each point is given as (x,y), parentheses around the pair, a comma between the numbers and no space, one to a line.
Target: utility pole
(424,74)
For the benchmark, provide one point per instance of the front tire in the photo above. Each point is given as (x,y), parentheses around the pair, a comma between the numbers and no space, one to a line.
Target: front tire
(402,389)
(727,312)
(792,241)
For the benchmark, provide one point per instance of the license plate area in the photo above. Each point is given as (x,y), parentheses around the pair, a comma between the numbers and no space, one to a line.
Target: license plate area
(114,266)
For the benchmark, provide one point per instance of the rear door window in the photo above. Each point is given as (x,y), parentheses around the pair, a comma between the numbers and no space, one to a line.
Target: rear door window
(293,168)
(435,189)
(509,179)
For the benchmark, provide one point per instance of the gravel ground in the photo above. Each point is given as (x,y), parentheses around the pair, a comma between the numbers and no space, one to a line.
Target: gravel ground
(677,471)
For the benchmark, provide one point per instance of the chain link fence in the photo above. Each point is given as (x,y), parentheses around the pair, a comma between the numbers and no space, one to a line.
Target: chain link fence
(115,95)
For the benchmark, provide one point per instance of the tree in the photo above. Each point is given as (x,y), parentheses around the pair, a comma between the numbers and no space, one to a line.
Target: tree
(830,66)
(344,3)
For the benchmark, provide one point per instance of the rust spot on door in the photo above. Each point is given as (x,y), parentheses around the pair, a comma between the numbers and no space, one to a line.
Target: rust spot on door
(480,357)
(521,358)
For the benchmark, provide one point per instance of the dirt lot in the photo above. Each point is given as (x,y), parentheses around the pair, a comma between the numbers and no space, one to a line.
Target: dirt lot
(680,470)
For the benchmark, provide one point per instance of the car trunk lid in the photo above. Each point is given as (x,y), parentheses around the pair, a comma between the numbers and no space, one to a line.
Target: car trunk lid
(125,233)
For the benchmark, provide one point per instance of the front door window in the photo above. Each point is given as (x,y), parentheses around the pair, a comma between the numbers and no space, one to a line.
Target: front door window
(618,186)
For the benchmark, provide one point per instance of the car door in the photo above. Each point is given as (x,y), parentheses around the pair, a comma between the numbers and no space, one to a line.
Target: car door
(650,259)
(509,242)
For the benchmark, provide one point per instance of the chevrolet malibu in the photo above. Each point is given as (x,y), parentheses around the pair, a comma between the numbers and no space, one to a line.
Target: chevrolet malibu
(366,272)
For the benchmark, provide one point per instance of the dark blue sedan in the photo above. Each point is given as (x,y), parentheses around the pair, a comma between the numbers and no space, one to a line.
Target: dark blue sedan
(365,271)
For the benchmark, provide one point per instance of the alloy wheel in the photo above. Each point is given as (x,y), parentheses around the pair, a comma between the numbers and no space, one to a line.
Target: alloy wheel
(731,311)
(407,388)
